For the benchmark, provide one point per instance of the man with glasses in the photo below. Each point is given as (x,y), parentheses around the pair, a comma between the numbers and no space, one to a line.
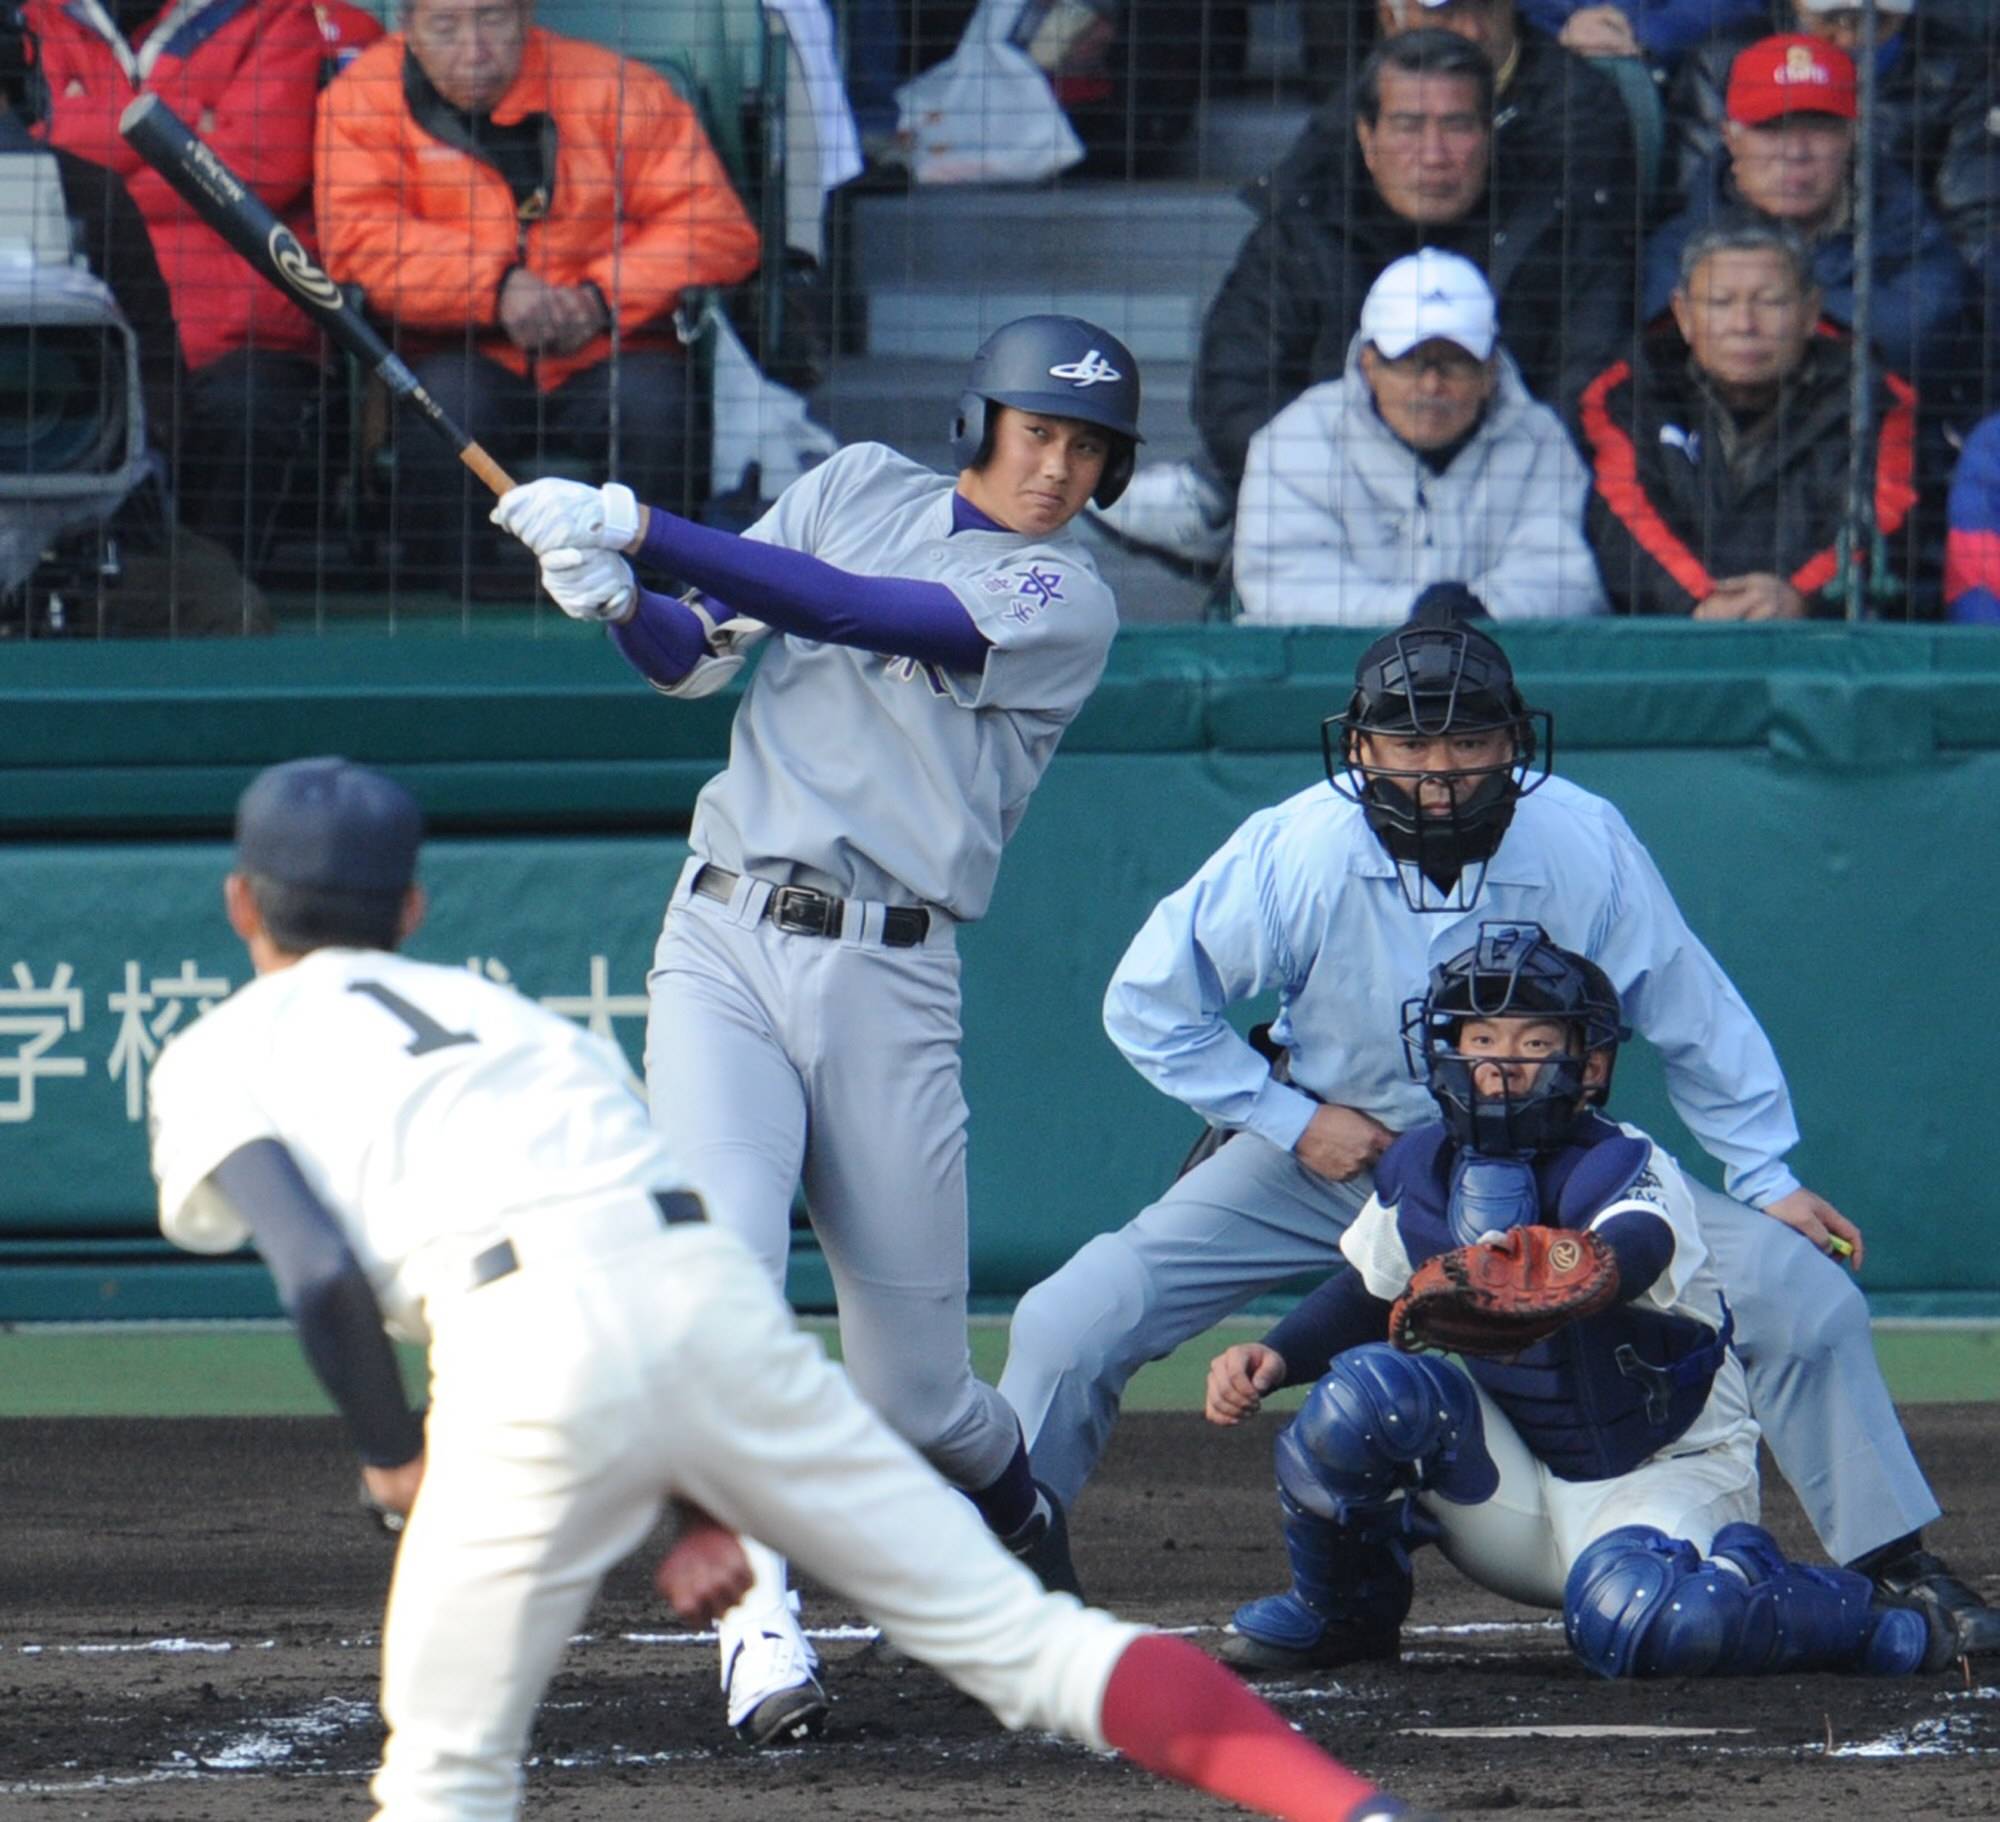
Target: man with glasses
(1427,462)
(1417,159)
(1720,449)
(528,210)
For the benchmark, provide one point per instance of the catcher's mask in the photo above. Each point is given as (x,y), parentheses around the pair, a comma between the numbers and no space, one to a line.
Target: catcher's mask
(1513,972)
(1433,679)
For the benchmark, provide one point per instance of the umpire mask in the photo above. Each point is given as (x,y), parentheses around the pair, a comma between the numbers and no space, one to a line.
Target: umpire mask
(1437,747)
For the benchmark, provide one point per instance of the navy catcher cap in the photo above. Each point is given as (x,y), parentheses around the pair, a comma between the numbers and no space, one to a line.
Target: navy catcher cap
(331,824)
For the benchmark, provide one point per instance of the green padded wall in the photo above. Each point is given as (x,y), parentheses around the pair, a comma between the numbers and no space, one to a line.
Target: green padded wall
(1823,801)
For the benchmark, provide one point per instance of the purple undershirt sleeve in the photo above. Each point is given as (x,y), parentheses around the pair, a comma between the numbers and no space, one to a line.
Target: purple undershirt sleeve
(800,594)
(663,639)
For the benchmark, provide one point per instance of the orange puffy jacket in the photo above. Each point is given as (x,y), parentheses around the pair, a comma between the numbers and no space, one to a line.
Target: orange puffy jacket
(242,74)
(633,199)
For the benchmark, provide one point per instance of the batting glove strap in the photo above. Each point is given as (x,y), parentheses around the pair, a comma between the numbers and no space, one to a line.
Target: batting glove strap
(708,676)
(589,584)
(724,638)
(553,514)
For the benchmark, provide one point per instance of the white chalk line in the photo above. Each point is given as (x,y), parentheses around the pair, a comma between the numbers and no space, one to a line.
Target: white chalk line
(285,1742)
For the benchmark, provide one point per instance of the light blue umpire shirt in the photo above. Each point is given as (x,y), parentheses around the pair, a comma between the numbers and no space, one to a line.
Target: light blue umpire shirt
(1304,899)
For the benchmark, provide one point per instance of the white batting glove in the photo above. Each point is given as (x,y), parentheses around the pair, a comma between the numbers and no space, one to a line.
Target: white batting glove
(589,584)
(566,515)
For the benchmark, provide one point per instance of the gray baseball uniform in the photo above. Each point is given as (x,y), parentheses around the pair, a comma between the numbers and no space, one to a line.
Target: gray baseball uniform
(774,1057)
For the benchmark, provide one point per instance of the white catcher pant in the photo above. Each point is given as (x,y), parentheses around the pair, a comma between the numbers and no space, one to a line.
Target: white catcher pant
(1522,1541)
(775,1059)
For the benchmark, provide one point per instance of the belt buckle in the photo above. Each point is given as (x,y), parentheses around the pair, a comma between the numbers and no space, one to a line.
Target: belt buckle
(800,911)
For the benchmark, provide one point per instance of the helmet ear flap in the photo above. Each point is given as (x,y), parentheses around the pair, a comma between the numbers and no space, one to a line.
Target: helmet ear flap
(1117,475)
(971,432)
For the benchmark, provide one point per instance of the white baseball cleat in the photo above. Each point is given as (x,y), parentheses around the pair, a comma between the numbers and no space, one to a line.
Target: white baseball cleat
(1174,509)
(768,1679)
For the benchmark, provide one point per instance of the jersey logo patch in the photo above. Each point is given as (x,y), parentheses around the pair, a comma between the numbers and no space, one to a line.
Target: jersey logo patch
(1036,588)
(1092,370)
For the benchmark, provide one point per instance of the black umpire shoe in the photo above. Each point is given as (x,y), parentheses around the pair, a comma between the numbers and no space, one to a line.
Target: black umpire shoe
(1920,1579)
(1043,1544)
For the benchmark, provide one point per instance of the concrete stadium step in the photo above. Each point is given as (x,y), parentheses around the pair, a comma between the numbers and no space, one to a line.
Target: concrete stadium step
(942,267)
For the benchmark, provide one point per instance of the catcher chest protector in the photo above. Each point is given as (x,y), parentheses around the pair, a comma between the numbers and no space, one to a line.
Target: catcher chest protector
(1434,677)
(1058,366)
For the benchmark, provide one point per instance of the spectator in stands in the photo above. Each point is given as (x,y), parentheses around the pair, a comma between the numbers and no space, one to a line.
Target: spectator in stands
(1972,548)
(1550,110)
(1788,153)
(1931,102)
(1937,89)
(1660,30)
(243,74)
(1427,462)
(528,210)
(1415,168)
(1719,453)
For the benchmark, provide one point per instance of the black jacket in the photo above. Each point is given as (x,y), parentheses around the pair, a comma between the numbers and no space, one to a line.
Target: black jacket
(1931,107)
(1551,130)
(1683,496)
(1554,233)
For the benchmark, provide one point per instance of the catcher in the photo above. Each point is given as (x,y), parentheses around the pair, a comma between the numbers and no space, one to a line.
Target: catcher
(1593,1449)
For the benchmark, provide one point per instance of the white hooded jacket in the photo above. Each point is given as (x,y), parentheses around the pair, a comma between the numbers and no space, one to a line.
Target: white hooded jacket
(1340,523)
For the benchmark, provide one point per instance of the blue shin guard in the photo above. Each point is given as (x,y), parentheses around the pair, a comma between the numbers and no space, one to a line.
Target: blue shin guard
(1378,1426)
(1641,1604)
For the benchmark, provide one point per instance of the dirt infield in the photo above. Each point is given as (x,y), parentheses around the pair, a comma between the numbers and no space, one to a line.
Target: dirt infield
(189,1613)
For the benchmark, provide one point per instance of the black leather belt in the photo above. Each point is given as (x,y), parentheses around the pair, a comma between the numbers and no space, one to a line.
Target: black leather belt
(800,911)
(676,1207)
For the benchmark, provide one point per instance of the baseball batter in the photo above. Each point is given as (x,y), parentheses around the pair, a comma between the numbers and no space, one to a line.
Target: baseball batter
(929,642)
(1340,901)
(416,1145)
(1608,1468)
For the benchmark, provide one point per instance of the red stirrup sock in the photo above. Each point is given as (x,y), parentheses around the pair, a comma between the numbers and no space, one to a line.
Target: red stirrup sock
(1176,1711)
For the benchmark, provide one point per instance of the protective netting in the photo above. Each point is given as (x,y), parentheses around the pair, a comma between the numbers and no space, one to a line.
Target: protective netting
(1679,307)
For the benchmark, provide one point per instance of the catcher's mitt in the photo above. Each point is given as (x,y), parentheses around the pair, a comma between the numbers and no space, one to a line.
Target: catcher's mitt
(1501,1296)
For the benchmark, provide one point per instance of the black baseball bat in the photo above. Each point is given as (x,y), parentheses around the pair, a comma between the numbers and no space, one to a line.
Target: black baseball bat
(222,199)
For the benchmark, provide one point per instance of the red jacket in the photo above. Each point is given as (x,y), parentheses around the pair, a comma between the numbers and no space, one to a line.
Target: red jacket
(631,198)
(243,74)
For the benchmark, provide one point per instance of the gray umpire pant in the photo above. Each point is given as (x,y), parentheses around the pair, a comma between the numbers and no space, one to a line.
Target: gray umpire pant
(1251,1216)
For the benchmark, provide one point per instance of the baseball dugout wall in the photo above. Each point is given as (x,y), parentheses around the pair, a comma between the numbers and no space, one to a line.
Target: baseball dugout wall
(1820,798)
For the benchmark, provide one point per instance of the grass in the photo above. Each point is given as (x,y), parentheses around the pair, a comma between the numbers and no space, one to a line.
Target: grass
(255,1369)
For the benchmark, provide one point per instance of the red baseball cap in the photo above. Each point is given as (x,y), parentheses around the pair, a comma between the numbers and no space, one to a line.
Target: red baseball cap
(1792,74)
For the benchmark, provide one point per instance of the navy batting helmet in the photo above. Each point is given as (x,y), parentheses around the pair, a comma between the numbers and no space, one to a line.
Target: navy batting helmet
(1062,367)
(1513,972)
(1434,678)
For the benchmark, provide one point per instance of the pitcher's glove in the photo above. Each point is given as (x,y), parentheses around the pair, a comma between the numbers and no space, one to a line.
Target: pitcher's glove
(1501,1296)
